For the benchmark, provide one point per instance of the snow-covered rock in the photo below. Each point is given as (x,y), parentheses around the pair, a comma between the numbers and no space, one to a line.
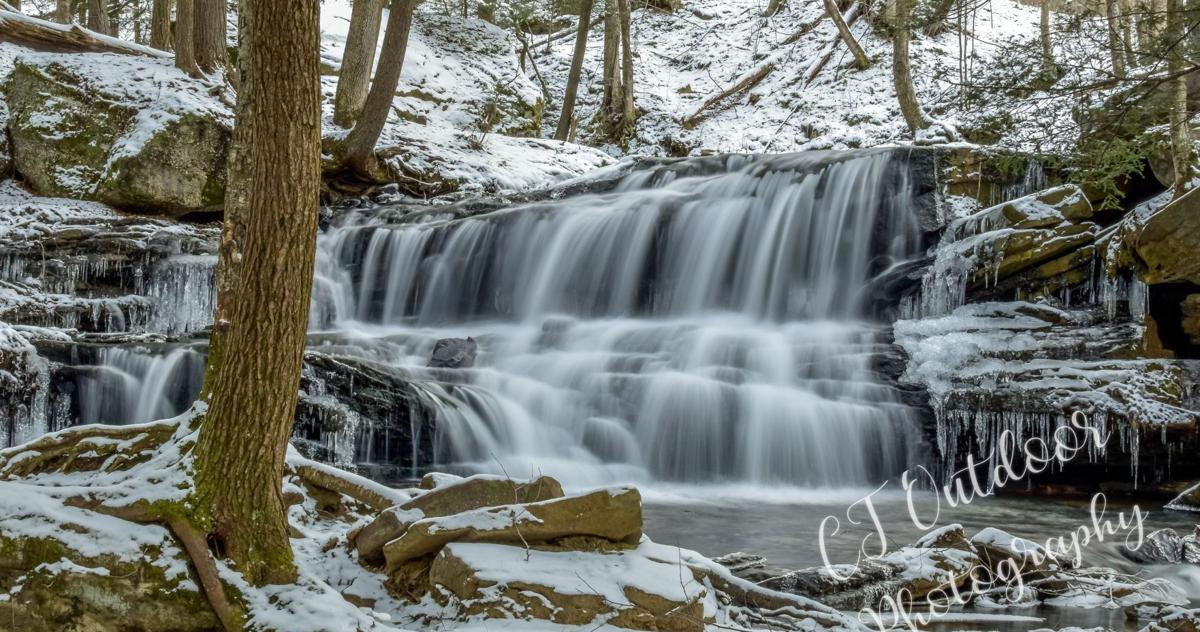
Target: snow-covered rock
(1168,240)
(129,131)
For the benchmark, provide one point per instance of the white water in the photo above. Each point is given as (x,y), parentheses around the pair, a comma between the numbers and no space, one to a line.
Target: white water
(702,328)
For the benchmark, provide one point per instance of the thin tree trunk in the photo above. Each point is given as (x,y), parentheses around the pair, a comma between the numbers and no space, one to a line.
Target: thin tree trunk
(62,12)
(97,16)
(568,109)
(860,56)
(628,113)
(938,18)
(160,25)
(1049,68)
(773,7)
(358,59)
(1177,64)
(209,28)
(612,102)
(359,151)
(1127,33)
(1112,15)
(906,94)
(185,50)
(114,17)
(268,250)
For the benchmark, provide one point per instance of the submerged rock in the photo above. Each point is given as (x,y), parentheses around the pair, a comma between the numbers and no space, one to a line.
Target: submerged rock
(454,353)
(85,134)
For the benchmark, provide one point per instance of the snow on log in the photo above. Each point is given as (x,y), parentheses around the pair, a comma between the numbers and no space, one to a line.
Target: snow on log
(44,35)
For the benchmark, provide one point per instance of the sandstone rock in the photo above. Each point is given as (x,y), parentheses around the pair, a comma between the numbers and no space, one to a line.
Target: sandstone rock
(464,495)
(995,547)
(1175,620)
(1191,317)
(1002,254)
(631,590)
(434,480)
(1167,243)
(1045,209)
(454,353)
(613,515)
(73,136)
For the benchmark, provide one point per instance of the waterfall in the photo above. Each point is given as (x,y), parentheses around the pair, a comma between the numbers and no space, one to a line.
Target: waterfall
(692,325)
(130,385)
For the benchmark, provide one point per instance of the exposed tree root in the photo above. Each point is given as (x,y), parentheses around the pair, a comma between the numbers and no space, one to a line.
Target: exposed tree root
(108,448)
(206,569)
(326,479)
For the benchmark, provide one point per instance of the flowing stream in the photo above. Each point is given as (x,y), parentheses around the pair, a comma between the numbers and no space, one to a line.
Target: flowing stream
(692,324)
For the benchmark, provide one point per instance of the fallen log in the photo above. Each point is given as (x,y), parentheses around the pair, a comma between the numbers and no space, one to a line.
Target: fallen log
(48,36)
(745,83)
(827,52)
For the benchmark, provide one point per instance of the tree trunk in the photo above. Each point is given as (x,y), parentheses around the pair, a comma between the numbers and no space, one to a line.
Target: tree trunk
(359,151)
(185,50)
(1049,68)
(860,56)
(568,109)
(939,16)
(1127,33)
(255,361)
(773,7)
(628,114)
(1177,64)
(1112,15)
(97,16)
(906,94)
(160,25)
(358,60)
(62,11)
(209,28)
(612,103)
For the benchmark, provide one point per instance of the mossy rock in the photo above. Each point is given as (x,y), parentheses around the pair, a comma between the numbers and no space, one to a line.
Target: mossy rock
(71,139)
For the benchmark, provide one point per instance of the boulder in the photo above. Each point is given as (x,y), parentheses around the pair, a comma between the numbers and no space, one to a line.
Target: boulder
(1045,209)
(1190,310)
(463,495)
(5,152)
(614,515)
(629,589)
(133,133)
(454,353)
(1166,546)
(1175,620)
(1001,254)
(995,547)
(1167,243)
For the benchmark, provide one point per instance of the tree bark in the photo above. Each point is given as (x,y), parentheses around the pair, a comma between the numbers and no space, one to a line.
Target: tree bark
(1049,68)
(185,50)
(568,109)
(628,113)
(62,11)
(98,17)
(209,38)
(860,56)
(1177,63)
(358,60)
(267,254)
(359,151)
(939,16)
(773,7)
(906,94)
(160,25)
(1127,33)
(1112,15)
(615,125)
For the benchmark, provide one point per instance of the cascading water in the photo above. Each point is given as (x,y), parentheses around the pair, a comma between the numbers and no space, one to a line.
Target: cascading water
(685,326)
(134,386)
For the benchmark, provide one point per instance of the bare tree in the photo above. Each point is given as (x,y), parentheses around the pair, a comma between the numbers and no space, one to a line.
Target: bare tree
(616,108)
(209,38)
(906,94)
(185,49)
(358,59)
(97,16)
(160,24)
(1049,68)
(62,11)
(358,153)
(860,56)
(1116,50)
(1181,141)
(267,251)
(568,109)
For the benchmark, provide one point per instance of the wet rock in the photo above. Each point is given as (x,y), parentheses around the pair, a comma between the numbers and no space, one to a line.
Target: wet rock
(73,136)
(456,497)
(1188,501)
(1190,311)
(1045,209)
(1165,245)
(1175,620)
(1165,546)
(612,515)
(739,562)
(996,547)
(454,353)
